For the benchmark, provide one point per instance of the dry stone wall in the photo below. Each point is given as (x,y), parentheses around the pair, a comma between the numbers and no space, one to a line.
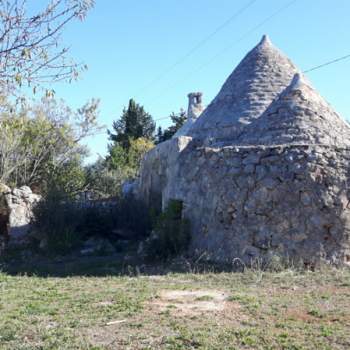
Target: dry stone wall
(16,211)
(258,202)
(159,172)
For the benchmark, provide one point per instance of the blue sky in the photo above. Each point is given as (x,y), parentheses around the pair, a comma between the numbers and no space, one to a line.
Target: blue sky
(127,44)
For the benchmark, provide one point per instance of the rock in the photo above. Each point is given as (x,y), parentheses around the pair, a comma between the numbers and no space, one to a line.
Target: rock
(260,172)
(251,159)
(305,198)
(234,171)
(251,252)
(124,234)
(249,169)
(141,249)
(269,183)
(43,244)
(96,245)
(16,212)
(234,161)
(128,187)
(248,91)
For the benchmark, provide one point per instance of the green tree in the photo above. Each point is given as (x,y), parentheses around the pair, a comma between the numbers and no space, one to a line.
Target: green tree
(101,180)
(127,161)
(41,144)
(177,121)
(132,137)
(138,148)
(68,178)
(106,176)
(159,136)
(134,123)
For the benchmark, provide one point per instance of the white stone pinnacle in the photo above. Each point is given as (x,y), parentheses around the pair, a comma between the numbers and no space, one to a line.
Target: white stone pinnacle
(246,94)
(298,82)
(265,41)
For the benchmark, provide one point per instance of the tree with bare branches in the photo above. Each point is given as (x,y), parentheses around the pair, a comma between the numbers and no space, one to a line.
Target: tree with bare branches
(31,53)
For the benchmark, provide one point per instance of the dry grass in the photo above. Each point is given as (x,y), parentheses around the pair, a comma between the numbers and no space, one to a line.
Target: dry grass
(251,310)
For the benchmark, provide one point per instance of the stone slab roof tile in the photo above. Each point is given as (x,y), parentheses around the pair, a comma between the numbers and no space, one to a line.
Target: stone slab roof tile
(261,76)
(298,115)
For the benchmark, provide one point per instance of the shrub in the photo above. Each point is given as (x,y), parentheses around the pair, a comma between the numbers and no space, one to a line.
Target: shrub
(171,234)
(102,180)
(56,222)
(133,215)
(63,224)
(96,222)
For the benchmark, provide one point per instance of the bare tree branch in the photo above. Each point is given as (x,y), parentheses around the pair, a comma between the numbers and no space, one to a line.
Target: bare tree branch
(30,44)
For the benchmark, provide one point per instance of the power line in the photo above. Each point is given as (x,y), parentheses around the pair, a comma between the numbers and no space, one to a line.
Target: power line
(252,30)
(327,64)
(240,39)
(157,120)
(305,71)
(198,45)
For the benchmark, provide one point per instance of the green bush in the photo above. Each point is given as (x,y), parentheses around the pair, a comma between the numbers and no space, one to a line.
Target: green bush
(96,222)
(132,215)
(63,223)
(56,222)
(171,234)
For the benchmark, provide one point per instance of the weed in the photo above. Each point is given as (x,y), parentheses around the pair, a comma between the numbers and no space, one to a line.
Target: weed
(171,234)
(204,298)
(287,310)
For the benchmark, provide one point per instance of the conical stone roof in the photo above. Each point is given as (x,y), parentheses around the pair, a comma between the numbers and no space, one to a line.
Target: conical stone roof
(254,84)
(298,116)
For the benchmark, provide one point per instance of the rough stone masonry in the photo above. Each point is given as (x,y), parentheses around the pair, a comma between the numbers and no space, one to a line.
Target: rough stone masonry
(16,211)
(263,171)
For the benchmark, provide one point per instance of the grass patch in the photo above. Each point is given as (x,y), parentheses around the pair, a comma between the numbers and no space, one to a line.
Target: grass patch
(205,298)
(281,310)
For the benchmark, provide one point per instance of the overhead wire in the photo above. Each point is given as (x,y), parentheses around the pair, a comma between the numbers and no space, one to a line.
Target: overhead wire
(326,64)
(260,24)
(197,46)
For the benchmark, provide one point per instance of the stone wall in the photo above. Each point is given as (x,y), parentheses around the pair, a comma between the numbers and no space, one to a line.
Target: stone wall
(256,202)
(16,210)
(159,169)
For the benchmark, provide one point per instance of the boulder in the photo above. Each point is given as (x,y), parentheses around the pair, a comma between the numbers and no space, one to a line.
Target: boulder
(96,245)
(16,212)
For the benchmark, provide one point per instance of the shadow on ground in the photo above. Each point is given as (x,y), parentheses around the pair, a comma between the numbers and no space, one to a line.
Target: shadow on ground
(67,266)
(123,264)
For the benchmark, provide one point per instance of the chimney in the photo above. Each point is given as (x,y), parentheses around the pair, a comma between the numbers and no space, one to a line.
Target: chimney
(195,107)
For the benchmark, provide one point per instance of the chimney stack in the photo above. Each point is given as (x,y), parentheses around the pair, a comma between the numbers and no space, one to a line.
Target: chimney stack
(195,107)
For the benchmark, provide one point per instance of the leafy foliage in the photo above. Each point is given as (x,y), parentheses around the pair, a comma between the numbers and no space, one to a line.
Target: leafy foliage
(101,180)
(30,50)
(126,162)
(132,215)
(134,123)
(171,234)
(63,223)
(40,144)
(178,120)
(70,177)
(132,138)
(56,221)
